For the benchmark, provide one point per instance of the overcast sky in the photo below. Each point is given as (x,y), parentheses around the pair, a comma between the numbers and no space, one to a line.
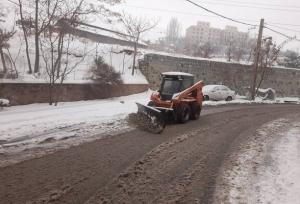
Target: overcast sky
(281,15)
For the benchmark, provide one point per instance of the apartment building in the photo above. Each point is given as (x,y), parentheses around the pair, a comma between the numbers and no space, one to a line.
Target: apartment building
(203,33)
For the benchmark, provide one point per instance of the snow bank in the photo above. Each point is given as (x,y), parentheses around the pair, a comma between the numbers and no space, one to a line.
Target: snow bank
(4,102)
(38,125)
(243,100)
(266,169)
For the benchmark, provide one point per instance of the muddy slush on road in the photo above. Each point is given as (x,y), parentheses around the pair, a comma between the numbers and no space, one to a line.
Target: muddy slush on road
(180,165)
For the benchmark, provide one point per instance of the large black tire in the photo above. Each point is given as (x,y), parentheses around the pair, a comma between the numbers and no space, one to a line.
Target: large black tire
(183,113)
(195,111)
(229,98)
(206,98)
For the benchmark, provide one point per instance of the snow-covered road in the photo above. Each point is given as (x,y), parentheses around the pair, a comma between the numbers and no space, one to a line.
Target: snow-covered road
(266,169)
(48,128)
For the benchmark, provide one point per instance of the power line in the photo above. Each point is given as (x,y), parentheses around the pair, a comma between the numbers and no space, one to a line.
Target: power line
(250,6)
(280,33)
(263,4)
(255,3)
(220,15)
(196,14)
(180,12)
(283,28)
(286,24)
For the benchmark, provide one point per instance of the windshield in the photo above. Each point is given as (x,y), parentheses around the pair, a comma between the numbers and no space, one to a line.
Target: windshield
(171,86)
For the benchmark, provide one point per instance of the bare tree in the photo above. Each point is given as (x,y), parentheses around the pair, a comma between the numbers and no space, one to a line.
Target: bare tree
(230,50)
(135,27)
(5,36)
(45,12)
(48,11)
(25,25)
(238,54)
(269,54)
(57,58)
(173,32)
(56,44)
(206,50)
(14,71)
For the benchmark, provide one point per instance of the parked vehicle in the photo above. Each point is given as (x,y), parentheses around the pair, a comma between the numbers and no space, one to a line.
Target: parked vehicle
(218,92)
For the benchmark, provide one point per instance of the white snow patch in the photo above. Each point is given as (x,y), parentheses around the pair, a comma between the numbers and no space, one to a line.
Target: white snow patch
(267,169)
(176,74)
(4,102)
(29,126)
(279,181)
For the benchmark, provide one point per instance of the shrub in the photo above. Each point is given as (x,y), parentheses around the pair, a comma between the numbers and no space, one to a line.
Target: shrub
(104,73)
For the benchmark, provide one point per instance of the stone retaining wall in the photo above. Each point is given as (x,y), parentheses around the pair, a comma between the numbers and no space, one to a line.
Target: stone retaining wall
(27,93)
(238,77)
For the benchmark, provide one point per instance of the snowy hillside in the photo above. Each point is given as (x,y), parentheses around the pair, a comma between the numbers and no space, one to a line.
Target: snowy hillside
(112,54)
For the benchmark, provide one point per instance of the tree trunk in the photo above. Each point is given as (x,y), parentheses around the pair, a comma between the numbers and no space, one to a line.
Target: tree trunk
(50,93)
(59,53)
(124,54)
(3,60)
(36,38)
(135,53)
(25,38)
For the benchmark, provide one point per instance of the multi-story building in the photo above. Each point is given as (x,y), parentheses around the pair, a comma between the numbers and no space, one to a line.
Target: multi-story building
(203,33)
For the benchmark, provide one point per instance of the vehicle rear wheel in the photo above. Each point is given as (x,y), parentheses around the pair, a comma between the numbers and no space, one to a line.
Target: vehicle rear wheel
(229,98)
(195,111)
(183,113)
(206,98)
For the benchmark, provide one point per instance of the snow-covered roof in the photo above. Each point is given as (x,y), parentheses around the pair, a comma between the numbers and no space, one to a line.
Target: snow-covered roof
(176,74)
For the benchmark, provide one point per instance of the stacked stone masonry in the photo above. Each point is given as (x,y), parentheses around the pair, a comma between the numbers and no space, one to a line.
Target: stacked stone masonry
(27,93)
(238,77)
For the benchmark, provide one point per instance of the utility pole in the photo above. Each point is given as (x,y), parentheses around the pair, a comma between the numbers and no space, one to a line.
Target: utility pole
(256,59)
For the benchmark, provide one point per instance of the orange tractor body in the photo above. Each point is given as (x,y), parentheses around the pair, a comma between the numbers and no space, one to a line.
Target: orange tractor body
(178,98)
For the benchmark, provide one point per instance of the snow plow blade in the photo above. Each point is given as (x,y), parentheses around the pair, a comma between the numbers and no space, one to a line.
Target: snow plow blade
(148,118)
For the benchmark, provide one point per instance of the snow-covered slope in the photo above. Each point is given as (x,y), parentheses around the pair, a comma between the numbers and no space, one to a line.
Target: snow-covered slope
(112,54)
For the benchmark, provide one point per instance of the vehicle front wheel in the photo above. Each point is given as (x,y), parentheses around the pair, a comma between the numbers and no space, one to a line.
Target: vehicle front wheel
(183,113)
(229,98)
(195,111)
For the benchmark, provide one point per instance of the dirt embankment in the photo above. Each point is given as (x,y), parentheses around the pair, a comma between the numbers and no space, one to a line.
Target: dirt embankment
(178,166)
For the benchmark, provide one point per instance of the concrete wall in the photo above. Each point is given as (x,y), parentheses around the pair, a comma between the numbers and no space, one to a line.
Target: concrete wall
(238,77)
(21,94)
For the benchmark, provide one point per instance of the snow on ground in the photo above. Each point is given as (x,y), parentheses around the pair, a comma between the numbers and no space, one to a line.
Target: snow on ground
(4,102)
(243,100)
(267,169)
(40,125)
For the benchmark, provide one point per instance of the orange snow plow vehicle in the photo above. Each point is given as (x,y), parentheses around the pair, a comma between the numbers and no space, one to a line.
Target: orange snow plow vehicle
(178,99)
